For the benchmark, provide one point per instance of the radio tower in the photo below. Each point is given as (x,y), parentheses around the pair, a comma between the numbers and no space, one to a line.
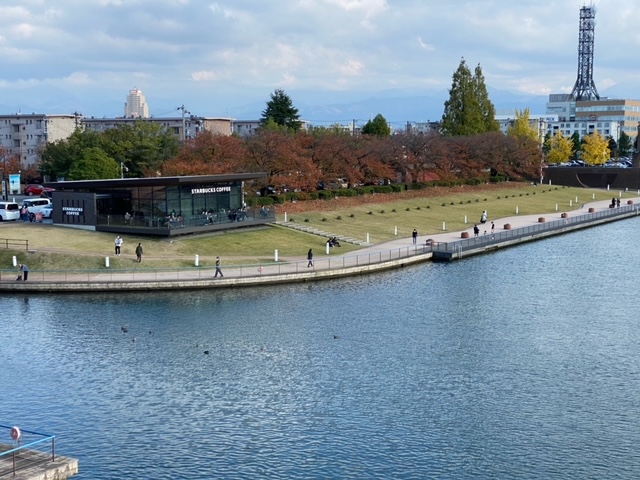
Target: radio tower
(585,89)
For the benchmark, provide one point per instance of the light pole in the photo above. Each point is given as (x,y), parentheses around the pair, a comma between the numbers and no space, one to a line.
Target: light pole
(184,111)
(123,169)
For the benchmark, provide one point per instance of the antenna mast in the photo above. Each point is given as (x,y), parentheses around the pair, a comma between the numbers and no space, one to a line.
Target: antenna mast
(585,88)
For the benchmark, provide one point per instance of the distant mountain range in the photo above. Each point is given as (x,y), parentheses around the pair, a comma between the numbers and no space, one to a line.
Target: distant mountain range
(320,108)
(397,107)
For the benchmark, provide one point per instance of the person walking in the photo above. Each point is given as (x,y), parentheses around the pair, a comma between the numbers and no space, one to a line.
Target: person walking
(493,228)
(476,230)
(139,252)
(118,244)
(310,258)
(415,236)
(24,272)
(218,270)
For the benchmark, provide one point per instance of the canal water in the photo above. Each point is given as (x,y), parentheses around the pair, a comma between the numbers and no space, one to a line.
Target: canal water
(524,363)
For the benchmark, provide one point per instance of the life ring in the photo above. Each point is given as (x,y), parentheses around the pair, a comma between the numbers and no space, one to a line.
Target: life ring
(16,434)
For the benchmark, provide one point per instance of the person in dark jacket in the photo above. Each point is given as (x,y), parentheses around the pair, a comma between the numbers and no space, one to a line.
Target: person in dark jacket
(24,272)
(139,252)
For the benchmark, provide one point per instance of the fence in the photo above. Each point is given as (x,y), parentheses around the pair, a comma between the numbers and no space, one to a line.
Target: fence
(537,229)
(230,271)
(14,243)
(31,449)
(320,262)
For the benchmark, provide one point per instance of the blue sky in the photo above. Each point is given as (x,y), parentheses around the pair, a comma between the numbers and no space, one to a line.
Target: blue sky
(224,58)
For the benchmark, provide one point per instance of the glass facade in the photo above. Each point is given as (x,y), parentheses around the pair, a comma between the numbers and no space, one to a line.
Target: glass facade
(158,205)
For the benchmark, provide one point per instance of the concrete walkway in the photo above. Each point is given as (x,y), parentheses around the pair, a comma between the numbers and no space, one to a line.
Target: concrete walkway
(516,221)
(388,255)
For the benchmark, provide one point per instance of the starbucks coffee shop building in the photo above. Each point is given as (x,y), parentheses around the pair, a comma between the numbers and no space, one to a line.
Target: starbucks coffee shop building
(162,206)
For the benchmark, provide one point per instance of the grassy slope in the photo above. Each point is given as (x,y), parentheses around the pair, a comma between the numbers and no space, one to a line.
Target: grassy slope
(60,248)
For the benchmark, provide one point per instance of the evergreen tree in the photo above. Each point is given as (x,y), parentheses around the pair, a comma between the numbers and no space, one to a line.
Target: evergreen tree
(625,145)
(577,144)
(468,111)
(378,126)
(280,109)
(487,110)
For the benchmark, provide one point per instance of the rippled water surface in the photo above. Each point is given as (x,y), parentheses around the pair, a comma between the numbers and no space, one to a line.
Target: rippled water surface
(522,363)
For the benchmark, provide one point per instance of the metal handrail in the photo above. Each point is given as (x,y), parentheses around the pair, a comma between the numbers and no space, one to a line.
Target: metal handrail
(14,452)
(321,263)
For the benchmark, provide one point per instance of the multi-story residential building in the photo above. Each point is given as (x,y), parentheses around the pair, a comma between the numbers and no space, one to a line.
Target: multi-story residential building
(422,128)
(23,135)
(182,127)
(245,128)
(136,105)
(539,122)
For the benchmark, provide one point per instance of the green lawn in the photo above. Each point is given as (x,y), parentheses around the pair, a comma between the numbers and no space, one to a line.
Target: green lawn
(61,248)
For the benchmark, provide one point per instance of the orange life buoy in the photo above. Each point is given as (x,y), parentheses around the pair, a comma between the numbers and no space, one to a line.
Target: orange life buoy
(16,433)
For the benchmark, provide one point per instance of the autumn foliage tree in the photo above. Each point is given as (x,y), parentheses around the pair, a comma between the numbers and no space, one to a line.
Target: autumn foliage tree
(208,154)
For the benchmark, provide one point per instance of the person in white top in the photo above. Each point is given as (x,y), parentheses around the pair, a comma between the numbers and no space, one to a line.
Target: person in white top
(118,244)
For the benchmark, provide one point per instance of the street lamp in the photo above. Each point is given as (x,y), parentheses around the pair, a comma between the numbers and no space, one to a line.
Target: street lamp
(123,169)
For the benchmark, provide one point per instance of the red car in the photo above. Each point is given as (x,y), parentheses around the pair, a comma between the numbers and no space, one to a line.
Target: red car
(34,189)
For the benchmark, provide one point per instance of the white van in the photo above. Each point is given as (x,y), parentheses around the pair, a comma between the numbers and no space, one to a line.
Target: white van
(9,211)
(36,205)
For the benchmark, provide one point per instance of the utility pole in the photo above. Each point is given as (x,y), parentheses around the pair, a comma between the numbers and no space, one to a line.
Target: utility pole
(184,112)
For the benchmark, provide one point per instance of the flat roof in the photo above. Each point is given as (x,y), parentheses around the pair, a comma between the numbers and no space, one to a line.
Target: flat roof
(154,181)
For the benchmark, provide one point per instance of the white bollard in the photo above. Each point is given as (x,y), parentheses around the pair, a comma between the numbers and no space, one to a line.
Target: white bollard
(465,219)
(106,261)
(327,247)
(395,231)
(620,194)
(607,188)
(571,203)
(576,200)
(556,207)
(275,256)
(593,196)
(444,226)
(367,238)
(517,210)
(549,181)
(197,260)
(285,217)
(15,261)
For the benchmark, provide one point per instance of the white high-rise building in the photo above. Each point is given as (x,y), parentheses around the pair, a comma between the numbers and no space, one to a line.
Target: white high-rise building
(136,105)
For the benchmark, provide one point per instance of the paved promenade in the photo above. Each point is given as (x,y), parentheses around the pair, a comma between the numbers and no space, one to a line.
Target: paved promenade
(388,255)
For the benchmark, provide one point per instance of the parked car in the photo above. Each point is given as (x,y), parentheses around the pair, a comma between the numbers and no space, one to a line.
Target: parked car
(9,211)
(35,189)
(36,205)
(47,210)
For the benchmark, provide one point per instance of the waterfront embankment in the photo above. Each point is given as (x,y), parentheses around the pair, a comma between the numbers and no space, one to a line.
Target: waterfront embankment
(447,246)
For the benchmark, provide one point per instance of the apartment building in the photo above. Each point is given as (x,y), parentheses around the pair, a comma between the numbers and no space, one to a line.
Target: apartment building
(182,127)
(23,135)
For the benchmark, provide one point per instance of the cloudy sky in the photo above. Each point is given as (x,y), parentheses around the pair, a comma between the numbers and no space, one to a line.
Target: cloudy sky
(225,57)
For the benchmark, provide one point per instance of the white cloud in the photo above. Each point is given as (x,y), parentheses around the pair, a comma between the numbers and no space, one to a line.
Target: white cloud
(204,76)
(246,48)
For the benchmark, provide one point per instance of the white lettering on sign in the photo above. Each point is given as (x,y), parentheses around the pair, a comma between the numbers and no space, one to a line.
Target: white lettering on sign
(195,191)
(76,211)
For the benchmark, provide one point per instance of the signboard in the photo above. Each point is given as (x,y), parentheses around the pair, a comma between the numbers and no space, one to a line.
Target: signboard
(14,183)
